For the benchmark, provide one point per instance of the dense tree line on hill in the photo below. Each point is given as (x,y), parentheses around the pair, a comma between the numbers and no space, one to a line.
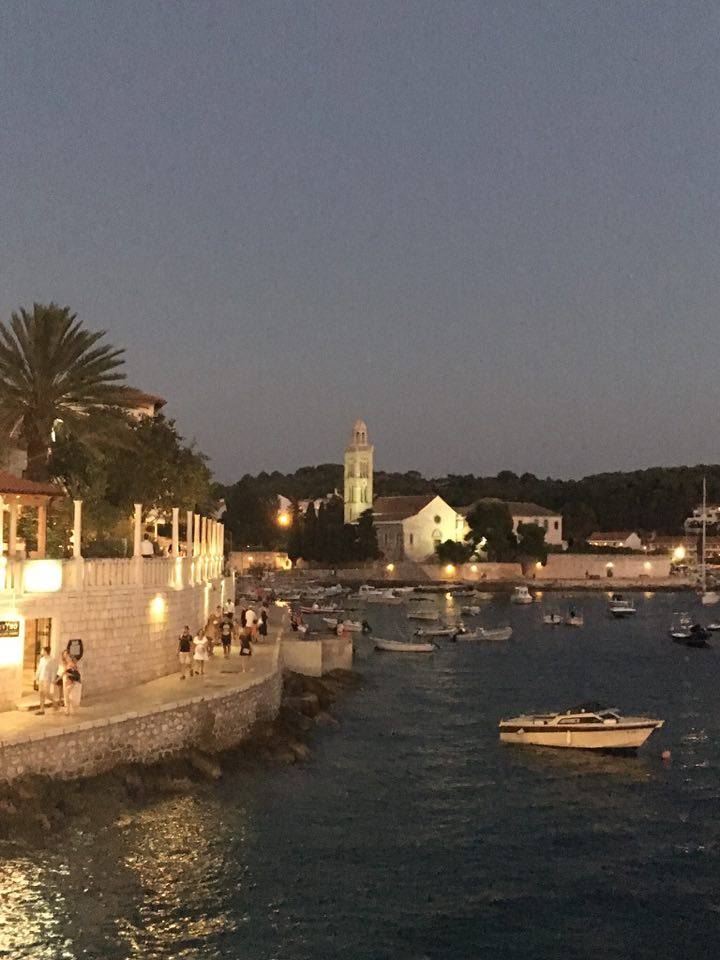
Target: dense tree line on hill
(658,499)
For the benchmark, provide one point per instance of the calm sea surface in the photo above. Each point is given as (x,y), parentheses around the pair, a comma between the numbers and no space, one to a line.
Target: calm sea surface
(412,833)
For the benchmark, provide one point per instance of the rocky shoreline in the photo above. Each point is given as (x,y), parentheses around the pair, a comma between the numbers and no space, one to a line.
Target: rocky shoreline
(36,808)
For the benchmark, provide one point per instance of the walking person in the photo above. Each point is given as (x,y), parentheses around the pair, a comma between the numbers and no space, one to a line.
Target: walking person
(243,618)
(245,643)
(212,629)
(45,680)
(201,654)
(71,682)
(251,622)
(226,632)
(263,628)
(184,652)
(229,608)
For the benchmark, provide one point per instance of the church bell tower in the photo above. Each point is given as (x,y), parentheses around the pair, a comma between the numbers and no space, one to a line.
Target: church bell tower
(358,473)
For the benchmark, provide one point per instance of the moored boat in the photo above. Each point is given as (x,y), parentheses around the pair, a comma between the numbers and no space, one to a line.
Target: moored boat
(436,631)
(521,595)
(400,646)
(496,633)
(472,611)
(620,607)
(585,727)
(686,631)
(352,626)
(552,619)
(414,614)
(317,609)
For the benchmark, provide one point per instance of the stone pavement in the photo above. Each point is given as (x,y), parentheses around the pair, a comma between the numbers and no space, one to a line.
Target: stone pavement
(166,693)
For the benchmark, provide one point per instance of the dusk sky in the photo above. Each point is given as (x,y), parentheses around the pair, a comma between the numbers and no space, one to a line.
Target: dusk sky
(491,229)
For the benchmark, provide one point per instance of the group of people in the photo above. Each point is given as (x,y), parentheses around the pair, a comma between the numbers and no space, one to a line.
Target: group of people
(53,679)
(221,629)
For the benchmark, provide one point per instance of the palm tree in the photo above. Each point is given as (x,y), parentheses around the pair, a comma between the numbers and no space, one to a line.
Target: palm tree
(55,372)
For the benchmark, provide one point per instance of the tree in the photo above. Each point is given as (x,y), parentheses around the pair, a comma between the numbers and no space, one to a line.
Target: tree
(366,542)
(453,552)
(490,521)
(54,372)
(531,544)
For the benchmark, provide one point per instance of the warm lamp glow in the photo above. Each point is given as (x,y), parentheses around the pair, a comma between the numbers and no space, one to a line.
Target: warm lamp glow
(647,565)
(390,567)
(538,565)
(158,607)
(449,569)
(42,576)
(283,519)
(679,553)
(609,564)
(473,568)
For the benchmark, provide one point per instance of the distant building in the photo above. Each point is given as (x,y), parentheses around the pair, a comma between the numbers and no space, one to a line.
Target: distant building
(522,512)
(141,404)
(694,523)
(616,539)
(358,490)
(409,528)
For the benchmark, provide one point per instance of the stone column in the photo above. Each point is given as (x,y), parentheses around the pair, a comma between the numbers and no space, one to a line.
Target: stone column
(2,526)
(137,533)
(176,531)
(203,536)
(188,533)
(41,529)
(77,529)
(196,535)
(12,537)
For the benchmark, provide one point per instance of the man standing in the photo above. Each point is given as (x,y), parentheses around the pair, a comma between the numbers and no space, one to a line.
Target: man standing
(184,652)
(226,631)
(229,608)
(45,679)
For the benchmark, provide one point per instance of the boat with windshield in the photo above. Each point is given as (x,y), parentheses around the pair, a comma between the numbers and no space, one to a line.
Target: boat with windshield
(588,726)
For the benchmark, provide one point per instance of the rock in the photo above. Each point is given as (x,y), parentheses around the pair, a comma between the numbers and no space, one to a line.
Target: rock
(294,719)
(308,704)
(43,822)
(124,821)
(7,808)
(301,750)
(325,719)
(207,766)
(285,755)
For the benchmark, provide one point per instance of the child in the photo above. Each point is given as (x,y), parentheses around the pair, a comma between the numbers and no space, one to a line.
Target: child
(201,652)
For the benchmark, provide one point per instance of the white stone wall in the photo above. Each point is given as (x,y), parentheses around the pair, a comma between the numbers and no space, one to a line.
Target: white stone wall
(130,634)
(436,521)
(313,658)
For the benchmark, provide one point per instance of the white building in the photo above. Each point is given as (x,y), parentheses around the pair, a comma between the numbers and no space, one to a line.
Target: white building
(409,528)
(616,539)
(358,490)
(523,512)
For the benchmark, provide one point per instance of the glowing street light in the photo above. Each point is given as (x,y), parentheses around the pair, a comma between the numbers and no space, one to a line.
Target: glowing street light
(390,567)
(449,569)
(284,519)
(679,553)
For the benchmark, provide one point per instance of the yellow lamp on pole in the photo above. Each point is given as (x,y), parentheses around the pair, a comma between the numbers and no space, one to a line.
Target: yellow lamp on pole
(679,553)
(284,519)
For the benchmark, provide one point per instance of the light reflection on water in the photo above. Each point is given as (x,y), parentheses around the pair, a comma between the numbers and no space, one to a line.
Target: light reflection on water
(414,833)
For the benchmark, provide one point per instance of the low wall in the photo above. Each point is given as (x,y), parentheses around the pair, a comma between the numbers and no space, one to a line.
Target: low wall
(313,658)
(206,722)
(576,566)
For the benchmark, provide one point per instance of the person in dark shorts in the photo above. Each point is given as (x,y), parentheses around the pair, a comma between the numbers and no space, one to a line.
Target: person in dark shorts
(185,644)
(226,637)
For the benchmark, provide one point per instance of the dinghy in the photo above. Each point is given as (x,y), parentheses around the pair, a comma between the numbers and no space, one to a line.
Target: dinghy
(471,611)
(436,632)
(498,633)
(400,646)
(352,626)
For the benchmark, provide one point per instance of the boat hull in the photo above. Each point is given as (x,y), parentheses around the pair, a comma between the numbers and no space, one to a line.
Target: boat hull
(397,646)
(612,738)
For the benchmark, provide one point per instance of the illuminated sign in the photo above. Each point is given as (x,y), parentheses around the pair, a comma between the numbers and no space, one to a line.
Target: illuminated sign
(9,628)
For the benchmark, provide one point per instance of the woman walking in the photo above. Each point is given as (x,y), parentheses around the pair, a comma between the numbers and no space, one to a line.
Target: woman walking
(71,684)
(201,655)
(263,628)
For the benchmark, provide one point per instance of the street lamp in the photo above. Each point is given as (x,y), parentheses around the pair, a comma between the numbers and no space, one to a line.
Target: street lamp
(284,519)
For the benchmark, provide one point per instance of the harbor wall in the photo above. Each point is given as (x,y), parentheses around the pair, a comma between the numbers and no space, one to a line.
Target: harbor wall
(207,722)
(314,658)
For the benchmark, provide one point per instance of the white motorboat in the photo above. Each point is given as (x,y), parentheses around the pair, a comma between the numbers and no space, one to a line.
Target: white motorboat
(437,631)
(713,627)
(621,608)
(317,609)
(552,619)
(586,727)
(497,633)
(413,614)
(351,626)
(574,619)
(400,646)
(384,596)
(404,590)
(471,611)
(688,632)
(521,595)
(709,598)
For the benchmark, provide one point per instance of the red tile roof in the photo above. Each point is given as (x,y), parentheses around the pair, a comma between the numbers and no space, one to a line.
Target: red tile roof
(9,483)
(394,509)
(517,508)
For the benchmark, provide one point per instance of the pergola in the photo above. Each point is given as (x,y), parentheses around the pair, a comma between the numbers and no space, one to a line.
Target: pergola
(17,493)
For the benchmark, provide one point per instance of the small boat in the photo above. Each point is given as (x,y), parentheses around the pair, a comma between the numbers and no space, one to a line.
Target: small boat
(521,595)
(437,631)
(585,727)
(713,627)
(384,596)
(709,598)
(497,633)
(686,631)
(422,614)
(400,646)
(471,611)
(574,619)
(552,619)
(317,609)
(404,590)
(620,608)
(352,626)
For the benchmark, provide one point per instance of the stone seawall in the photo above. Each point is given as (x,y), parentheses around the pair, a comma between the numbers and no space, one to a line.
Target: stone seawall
(208,722)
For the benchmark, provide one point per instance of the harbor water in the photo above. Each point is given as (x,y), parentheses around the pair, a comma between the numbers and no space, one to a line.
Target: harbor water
(412,832)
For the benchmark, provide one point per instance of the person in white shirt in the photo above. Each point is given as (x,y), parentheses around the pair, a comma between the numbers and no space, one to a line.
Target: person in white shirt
(229,608)
(251,623)
(146,547)
(201,656)
(45,679)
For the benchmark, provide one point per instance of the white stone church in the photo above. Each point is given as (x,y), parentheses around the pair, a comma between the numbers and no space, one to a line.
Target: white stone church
(408,528)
